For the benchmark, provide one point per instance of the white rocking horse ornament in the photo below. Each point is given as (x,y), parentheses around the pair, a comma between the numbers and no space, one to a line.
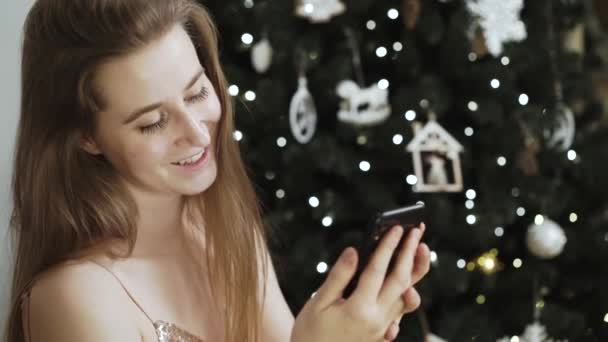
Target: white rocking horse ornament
(362,106)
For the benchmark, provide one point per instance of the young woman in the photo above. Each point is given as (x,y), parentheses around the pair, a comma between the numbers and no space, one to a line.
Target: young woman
(134,218)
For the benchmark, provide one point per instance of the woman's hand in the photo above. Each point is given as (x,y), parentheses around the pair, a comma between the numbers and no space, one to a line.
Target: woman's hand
(373,310)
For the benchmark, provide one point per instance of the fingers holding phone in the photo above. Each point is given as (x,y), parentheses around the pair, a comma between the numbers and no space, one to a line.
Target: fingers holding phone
(401,277)
(371,279)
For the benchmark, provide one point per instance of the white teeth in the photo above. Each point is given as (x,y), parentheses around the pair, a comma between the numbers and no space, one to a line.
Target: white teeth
(191,160)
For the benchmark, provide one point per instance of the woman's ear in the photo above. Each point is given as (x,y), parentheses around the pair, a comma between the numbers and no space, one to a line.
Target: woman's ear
(90,146)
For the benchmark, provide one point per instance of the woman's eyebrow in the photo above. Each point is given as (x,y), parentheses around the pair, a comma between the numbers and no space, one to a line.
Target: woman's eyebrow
(139,112)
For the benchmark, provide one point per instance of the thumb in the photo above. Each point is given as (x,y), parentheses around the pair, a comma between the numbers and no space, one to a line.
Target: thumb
(338,278)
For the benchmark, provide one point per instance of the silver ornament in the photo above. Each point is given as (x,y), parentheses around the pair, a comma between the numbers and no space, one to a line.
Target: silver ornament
(302,113)
(261,56)
(546,240)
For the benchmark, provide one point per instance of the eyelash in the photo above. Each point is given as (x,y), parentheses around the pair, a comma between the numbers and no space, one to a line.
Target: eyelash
(160,124)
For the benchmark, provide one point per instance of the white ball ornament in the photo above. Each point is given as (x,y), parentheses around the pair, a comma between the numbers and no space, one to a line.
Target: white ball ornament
(546,240)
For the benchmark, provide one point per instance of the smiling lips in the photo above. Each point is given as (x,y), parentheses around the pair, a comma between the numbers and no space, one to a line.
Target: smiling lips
(191,160)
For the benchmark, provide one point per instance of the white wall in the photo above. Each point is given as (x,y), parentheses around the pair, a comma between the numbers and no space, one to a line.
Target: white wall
(12,15)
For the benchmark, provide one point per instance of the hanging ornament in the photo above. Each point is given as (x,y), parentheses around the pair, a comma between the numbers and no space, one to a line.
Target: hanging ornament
(411,13)
(534,332)
(362,106)
(433,338)
(561,135)
(435,152)
(500,22)
(319,11)
(261,55)
(546,240)
(302,113)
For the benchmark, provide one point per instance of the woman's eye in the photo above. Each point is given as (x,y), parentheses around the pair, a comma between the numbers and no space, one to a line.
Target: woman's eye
(159,125)
(198,97)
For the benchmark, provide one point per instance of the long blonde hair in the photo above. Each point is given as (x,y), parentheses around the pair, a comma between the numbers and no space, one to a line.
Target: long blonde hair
(66,199)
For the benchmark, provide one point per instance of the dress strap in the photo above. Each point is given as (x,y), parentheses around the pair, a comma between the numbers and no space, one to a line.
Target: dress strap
(125,289)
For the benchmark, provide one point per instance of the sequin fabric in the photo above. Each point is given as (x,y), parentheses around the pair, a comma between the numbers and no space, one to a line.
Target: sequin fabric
(169,332)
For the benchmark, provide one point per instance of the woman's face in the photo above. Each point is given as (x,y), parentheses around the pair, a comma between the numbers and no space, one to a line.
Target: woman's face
(160,121)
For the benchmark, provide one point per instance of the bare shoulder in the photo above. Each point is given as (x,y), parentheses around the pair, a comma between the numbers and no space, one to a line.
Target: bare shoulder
(80,301)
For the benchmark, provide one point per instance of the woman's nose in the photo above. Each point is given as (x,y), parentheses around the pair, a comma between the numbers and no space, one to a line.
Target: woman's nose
(193,130)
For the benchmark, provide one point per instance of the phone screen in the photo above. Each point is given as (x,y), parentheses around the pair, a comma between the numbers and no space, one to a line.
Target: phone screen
(408,217)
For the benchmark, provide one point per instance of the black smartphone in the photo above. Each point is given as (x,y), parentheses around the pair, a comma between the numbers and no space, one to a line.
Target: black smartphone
(408,217)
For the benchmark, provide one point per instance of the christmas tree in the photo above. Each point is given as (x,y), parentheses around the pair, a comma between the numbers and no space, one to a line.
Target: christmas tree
(492,112)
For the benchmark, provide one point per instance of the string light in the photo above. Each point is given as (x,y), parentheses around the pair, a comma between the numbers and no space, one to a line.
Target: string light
(411,179)
(371,25)
(313,201)
(481,299)
(469,204)
(250,95)
(606,318)
(489,263)
(397,46)
(571,155)
(461,264)
(471,194)
(281,142)
(365,166)
(433,257)
(381,51)
(280,194)
(517,263)
(523,99)
(473,106)
(383,84)
(505,60)
(472,57)
(309,8)
(397,139)
(237,135)
(515,192)
(270,175)
(499,231)
(233,90)
(521,211)
(410,115)
(247,38)
(393,13)
(468,131)
(573,217)
(321,267)
(495,83)
(248,3)
(501,161)
(362,140)
(327,221)
(515,339)
(539,219)
(471,219)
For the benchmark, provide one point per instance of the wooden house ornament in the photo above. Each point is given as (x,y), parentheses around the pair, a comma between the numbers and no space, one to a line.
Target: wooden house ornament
(435,153)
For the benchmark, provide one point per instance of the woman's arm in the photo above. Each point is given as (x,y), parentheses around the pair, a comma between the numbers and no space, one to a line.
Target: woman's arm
(79,303)
(278,319)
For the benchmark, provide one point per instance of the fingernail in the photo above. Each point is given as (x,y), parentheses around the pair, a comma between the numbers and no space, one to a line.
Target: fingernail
(417,232)
(348,255)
